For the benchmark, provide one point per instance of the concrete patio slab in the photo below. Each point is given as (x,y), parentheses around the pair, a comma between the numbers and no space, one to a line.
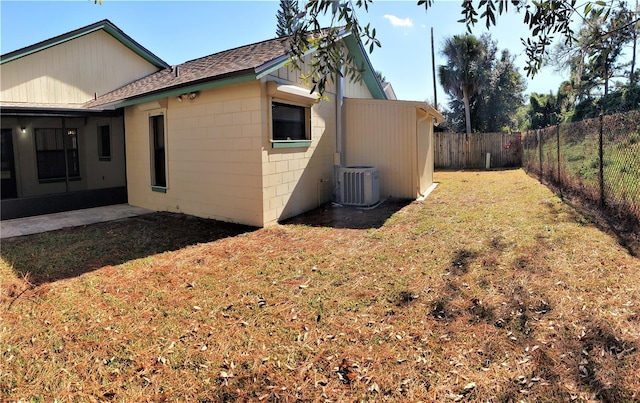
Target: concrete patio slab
(51,222)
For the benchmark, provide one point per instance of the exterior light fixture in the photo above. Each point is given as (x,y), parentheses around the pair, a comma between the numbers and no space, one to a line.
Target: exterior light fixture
(179,98)
(23,129)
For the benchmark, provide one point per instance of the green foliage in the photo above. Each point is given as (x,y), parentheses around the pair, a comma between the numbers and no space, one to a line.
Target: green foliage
(522,118)
(329,58)
(494,107)
(593,61)
(580,164)
(380,76)
(546,110)
(545,19)
(622,100)
(286,17)
(462,76)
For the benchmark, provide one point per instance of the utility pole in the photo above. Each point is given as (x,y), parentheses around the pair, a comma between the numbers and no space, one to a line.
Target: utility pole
(433,69)
(635,41)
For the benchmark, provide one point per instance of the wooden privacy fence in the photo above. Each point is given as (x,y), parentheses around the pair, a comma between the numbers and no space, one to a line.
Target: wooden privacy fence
(453,152)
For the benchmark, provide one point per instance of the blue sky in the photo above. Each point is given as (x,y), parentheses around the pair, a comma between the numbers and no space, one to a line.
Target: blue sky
(181,31)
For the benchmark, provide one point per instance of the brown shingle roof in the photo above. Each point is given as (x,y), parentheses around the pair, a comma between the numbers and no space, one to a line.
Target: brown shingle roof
(246,59)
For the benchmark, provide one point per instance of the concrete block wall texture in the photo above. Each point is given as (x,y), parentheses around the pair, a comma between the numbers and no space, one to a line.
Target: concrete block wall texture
(213,155)
(300,179)
(221,163)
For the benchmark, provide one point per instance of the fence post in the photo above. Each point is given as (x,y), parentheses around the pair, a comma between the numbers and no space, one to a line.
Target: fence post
(601,157)
(558,152)
(540,140)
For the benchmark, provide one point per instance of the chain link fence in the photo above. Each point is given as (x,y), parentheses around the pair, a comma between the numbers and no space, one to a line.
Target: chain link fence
(596,158)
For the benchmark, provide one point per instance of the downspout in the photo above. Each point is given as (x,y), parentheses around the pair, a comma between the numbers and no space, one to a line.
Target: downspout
(338,158)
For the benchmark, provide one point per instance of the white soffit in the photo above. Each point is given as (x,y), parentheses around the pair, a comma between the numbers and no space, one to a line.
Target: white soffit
(291,93)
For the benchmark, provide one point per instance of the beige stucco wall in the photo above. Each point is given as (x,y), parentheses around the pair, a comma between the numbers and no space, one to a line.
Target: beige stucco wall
(213,154)
(391,136)
(72,72)
(94,174)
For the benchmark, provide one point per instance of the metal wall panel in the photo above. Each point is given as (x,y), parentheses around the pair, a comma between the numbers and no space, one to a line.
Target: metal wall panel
(71,72)
(384,134)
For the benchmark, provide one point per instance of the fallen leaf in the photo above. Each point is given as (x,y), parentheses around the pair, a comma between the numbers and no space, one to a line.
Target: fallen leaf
(469,387)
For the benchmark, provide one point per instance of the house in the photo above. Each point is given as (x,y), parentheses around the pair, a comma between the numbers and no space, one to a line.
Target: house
(58,154)
(235,136)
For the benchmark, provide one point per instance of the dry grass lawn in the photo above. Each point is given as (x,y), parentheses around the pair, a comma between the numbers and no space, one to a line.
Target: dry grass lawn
(492,290)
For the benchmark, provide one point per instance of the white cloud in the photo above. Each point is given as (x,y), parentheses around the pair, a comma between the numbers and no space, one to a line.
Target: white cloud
(399,22)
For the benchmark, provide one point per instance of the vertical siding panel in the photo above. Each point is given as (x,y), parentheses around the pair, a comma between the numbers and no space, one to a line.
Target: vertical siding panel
(383,134)
(72,71)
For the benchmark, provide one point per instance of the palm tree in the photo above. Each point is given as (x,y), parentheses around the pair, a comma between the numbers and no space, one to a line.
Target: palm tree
(460,77)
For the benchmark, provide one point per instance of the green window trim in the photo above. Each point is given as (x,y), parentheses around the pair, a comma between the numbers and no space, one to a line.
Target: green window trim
(290,144)
(158,189)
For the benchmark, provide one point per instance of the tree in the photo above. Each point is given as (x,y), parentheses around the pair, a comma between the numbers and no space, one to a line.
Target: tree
(602,41)
(461,76)
(503,96)
(495,107)
(285,17)
(543,110)
(544,19)
(634,41)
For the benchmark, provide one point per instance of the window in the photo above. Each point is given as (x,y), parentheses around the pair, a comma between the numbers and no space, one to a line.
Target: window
(157,142)
(104,143)
(290,122)
(52,145)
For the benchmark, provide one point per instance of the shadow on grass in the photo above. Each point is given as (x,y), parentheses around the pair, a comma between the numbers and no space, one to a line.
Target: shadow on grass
(70,252)
(587,211)
(349,217)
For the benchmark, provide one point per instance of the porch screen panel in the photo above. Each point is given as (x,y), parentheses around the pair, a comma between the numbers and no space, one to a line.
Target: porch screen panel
(50,153)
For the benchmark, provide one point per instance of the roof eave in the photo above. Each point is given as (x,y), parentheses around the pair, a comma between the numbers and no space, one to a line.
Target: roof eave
(431,111)
(281,61)
(193,86)
(355,47)
(55,112)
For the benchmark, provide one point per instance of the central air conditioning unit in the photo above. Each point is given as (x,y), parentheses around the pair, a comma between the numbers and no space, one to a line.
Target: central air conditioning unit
(360,186)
